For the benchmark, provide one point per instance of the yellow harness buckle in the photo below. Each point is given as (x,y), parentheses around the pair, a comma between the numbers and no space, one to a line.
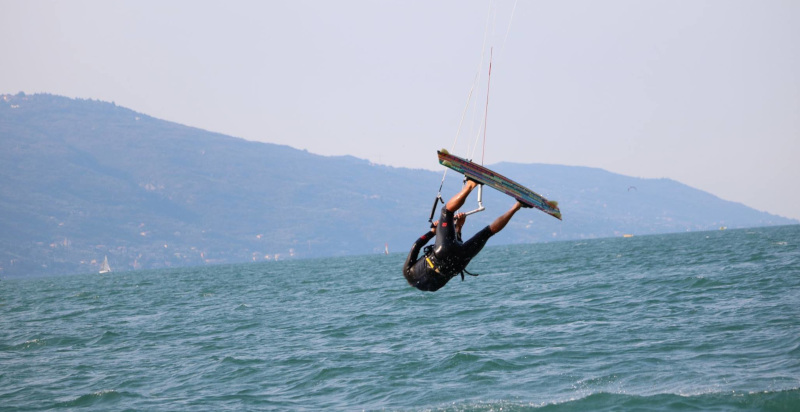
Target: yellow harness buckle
(430,264)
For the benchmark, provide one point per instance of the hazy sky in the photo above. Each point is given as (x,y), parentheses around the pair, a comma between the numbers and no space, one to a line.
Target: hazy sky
(703,92)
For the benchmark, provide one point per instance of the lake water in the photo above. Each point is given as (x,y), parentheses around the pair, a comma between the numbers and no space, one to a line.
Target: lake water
(695,321)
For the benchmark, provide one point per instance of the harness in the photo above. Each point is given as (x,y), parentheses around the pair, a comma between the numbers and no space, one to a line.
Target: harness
(429,252)
(431,265)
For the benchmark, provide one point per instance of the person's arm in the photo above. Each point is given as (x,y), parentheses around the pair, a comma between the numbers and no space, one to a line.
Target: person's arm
(417,246)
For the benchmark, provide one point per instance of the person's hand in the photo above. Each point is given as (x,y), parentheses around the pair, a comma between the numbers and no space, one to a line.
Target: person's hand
(460,219)
(433,225)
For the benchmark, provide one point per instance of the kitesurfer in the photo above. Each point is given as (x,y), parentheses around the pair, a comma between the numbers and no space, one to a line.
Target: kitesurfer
(449,256)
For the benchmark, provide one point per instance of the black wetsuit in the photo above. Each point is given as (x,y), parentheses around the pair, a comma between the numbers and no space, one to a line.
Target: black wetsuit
(448,257)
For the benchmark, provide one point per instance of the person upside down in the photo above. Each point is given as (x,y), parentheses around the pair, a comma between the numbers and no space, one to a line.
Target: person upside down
(449,256)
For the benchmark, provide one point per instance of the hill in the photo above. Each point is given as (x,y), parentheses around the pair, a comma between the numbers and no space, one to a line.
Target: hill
(82,179)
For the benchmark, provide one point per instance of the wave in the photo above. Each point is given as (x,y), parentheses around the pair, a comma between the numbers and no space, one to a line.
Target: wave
(42,343)
(773,401)
(105,397)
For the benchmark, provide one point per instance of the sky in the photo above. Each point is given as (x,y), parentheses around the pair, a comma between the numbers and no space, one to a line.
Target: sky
(705,92)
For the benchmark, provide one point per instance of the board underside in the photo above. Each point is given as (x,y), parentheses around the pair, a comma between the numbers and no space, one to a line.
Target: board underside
(498,182)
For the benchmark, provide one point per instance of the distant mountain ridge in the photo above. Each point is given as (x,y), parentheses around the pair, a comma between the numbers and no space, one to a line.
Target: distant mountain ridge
(80,179)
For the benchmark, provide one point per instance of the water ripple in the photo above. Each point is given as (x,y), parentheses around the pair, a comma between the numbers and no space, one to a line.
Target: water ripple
(699,321)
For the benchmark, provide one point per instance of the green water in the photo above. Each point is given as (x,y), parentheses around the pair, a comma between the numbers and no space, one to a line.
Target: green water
(696,321)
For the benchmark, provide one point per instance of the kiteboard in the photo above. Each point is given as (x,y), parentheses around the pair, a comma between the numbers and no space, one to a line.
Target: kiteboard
(499,182)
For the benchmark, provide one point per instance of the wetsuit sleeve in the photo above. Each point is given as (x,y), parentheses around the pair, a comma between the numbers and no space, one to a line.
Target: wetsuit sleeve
(414,253)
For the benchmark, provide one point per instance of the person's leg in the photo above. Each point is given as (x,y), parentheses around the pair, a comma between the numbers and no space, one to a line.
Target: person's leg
(474,245)
(503,219)
(446,231)
(458,200)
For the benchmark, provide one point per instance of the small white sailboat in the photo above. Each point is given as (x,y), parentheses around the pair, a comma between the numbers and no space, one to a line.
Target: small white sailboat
(105,268)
